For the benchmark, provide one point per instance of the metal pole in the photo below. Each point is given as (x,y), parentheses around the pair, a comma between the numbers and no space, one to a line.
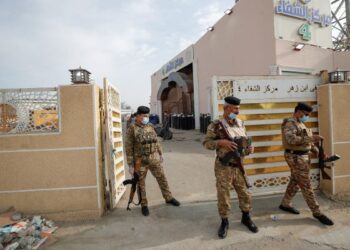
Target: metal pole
(347,10)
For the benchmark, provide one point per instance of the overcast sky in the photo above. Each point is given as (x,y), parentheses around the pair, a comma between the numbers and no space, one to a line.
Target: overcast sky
(125,41)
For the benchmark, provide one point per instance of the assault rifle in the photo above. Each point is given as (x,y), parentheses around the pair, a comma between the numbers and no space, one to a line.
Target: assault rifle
(323,159)
(134,184)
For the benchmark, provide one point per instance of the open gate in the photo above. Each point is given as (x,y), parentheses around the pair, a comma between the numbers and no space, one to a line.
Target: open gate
(265,101)
(113,145)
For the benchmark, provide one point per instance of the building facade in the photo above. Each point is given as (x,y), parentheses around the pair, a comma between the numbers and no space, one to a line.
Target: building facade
(270,54)
(258,38)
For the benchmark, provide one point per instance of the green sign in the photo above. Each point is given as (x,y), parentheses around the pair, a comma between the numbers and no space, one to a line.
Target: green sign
(304,32)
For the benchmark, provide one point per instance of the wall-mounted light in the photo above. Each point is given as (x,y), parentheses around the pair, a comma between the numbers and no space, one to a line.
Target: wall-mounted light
(228,11)
(299,46)
(338,76)
(211,28)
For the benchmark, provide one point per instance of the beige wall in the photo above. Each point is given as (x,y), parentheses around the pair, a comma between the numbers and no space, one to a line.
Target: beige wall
(342,60)
(56,175)
(334,126)
(156,80)
(236,46)
(310,57)
(325,130)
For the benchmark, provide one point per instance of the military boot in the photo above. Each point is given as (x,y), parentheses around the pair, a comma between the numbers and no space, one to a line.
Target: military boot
(173,202)
(145,211)
(247,221)
(324,219)
(291,210)
(222,233)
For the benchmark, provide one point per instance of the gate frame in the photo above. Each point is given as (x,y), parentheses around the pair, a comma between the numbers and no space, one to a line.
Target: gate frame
(315,173)
(114,188)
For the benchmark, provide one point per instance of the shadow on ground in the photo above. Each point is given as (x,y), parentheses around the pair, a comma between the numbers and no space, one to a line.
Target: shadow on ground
(191,226)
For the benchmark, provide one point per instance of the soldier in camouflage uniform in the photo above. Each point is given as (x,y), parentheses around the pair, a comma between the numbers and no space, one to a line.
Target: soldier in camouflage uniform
(298,142)
(142,144)
(228,176)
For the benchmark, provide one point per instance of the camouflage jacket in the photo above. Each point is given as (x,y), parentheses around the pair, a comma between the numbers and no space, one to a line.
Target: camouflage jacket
(141,142)
(214,134)
(296,136)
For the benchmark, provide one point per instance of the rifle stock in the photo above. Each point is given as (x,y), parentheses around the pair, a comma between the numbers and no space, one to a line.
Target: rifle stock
(322,159)
(134,184)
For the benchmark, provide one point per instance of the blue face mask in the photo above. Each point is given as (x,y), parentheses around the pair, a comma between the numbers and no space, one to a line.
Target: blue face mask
(304,119)
(145,120)
(232,116)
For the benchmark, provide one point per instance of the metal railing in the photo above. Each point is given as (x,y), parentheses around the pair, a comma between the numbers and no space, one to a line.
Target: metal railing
(27,111)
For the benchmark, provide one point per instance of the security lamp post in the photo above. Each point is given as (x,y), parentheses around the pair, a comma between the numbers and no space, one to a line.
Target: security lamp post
(80,76)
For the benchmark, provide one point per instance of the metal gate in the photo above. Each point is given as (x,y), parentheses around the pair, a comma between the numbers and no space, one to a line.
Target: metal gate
(113,145)
(265,101)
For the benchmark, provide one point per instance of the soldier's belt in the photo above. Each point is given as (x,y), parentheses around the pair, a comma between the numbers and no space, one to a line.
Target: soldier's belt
(227,163)
(150,141)
(297,152)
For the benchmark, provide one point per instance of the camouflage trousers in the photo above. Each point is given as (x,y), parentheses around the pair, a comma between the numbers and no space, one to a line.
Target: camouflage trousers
(228,178)
(158,172)
(300,168)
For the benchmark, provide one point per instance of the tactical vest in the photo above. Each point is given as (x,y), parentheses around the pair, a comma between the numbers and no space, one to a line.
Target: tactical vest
(302,131)
(235,131)
(145,140)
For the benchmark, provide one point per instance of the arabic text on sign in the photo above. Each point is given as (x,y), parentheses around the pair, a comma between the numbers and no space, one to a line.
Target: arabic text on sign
(303,12)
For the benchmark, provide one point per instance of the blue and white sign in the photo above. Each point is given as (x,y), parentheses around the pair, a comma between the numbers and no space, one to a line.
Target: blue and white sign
(304,21)
(173,65)
(177,63)
(300,9)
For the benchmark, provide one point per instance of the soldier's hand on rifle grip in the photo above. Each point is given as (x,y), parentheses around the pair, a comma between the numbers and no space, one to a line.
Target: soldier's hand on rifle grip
(227,144)
(317,138)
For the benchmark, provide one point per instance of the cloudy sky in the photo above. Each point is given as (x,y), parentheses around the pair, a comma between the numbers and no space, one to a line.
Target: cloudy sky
(125,41)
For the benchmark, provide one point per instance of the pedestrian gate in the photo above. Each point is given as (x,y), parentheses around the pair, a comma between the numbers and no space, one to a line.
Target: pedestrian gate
(113,145)
(265,101)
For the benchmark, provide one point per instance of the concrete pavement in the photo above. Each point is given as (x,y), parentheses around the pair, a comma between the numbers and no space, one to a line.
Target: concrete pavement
(194,225)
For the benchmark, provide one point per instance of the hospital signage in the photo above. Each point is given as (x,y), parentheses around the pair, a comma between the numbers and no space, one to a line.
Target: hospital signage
(310,20)
(180,61)
(301,10)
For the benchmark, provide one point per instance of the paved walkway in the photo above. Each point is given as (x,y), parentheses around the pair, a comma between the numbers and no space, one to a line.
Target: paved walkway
(190,173)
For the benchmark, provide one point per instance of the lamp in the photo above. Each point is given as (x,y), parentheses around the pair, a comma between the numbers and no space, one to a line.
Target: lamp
(338,76)
(80,76)
(211,28)
(228,11)
(299,46)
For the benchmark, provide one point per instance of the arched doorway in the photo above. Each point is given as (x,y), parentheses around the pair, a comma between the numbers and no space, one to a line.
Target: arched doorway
(176,94)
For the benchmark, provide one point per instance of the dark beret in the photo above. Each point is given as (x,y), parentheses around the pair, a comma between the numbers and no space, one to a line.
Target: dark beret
(143,110)
(232,100)
(304,107)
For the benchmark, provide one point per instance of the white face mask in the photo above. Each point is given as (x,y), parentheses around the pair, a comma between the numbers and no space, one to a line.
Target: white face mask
(145,120)
(304,119)
(232,116)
